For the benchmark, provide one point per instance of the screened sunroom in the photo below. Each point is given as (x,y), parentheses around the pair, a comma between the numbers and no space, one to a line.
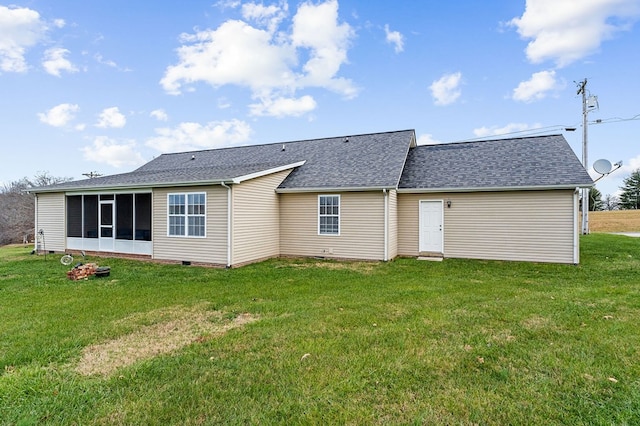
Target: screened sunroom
(109,222)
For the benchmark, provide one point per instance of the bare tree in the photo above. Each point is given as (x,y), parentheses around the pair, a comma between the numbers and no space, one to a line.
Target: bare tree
(44,179)
(611,202)
(17,207)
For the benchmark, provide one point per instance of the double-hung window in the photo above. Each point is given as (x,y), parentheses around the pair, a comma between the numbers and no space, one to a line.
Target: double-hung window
(187,214)
(329,215)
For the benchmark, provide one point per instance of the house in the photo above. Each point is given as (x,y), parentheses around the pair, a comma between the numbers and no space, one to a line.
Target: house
(371,196)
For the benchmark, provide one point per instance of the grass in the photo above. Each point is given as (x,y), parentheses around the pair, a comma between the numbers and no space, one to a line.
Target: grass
(404,342)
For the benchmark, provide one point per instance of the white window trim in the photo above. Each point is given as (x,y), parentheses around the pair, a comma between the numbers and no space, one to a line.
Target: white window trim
(339,215)
(187,215)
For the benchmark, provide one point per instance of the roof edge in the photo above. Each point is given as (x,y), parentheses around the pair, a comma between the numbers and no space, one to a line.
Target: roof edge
(494,189)
(266,172)
(345,189)
(230,180)
(133,187)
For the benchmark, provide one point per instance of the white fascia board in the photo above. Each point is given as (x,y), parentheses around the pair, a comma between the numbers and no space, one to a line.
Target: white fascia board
(491,189)
(147,185)
(140,190)
(332,189)
(133,188)
(261,173)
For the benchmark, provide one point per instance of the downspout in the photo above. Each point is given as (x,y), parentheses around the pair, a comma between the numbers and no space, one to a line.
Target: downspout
(228,223)
(576,237)
(35,221)
(386,224)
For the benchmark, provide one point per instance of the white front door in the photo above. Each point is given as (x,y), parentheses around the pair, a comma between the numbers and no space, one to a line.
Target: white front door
(431,226)
(107,227)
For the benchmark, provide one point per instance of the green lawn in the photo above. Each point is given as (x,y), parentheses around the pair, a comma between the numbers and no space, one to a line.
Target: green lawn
(320,342)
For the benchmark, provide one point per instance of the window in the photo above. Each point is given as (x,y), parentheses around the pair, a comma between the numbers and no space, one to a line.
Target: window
(187,214)
(329,215)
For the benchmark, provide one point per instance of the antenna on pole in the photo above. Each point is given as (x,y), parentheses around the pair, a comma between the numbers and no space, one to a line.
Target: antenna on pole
(92,175)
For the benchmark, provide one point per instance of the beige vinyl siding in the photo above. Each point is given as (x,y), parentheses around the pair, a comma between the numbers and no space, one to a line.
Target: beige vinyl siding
(393,225)
(212,249)
(519,225)
(51,218)
(256,223)
(361,226)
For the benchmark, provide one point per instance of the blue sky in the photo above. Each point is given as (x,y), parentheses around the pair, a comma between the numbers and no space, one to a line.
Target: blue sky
(106,86)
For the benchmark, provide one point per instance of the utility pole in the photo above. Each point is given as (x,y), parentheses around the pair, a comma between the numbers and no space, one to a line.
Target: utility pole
(582,90)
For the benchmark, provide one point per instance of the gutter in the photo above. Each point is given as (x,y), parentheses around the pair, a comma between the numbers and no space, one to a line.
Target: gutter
(335,189)
(386,224)
(576,237)
(35,221)
(126,187)
(229,235)
(492,189)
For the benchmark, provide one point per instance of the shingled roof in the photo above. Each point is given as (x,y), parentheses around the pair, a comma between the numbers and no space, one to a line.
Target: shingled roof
(368,161)
(521,163)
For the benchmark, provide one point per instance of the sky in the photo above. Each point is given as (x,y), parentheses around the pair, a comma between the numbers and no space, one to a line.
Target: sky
(103,87)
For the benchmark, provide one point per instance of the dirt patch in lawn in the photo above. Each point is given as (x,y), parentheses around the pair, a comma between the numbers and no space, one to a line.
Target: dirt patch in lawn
(536,322)
(157,333)
(363,267)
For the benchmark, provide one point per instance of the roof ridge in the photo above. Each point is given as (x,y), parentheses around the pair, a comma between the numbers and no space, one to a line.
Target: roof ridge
(497,139)
(287,142)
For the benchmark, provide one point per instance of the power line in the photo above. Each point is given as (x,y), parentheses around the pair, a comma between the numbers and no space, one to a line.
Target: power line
(614,120)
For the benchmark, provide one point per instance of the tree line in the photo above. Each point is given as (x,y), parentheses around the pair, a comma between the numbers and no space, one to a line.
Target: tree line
(17,205)
(629,198)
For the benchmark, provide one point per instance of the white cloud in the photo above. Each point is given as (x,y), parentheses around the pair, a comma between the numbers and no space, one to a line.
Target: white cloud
(101,60)
(266,16)
(446,90)
(59,115)
(395,38)
(159,114)
(235,53)
(427,139)
(629,166)
(59,23)
(190,136)
(316,27)
(116,154)
(20,29)
(537,87)
(227,4)
(55,61)
(109,63)
(111,117)
(508,129)
(282,107)
(263,59)
(223,103)
(565,31)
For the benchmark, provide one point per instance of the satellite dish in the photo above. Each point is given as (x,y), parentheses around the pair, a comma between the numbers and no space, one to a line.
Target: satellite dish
(602,166)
